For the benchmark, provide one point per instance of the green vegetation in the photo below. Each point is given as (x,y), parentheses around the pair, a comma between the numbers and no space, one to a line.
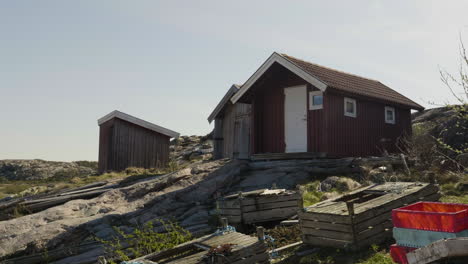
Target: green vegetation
(372,255)
(310,193)
(144,240)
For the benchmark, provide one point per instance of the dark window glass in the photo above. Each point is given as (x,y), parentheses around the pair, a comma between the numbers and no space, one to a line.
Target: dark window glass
(317,100)
(350,107)
(390,115)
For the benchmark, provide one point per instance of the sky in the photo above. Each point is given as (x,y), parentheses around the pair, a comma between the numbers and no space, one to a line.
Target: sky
(65,64)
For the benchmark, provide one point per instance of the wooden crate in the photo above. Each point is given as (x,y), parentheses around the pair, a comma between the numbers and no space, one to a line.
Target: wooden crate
(260,206)
(362,217)
(245,250)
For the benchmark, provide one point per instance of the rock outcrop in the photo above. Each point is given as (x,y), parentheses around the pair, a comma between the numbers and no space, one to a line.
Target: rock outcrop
(41,169)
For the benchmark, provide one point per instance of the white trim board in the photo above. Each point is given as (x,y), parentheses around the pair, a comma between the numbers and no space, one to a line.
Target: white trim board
(139,122)
(275,57)
(234,88)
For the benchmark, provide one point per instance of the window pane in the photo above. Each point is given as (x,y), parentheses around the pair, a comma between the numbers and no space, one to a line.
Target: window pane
(317,100)
(349,107)
(389,115)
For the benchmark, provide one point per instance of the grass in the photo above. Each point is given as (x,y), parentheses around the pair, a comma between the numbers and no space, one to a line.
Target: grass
(144,240)
(372,255)
(310,193)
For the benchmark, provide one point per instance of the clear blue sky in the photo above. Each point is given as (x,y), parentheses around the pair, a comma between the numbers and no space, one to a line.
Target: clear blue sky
(64,64)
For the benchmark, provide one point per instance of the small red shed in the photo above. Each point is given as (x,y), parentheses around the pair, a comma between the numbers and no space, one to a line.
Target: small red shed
(126,141)
(299,106)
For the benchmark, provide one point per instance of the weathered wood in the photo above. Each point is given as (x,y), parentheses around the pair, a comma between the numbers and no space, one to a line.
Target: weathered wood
(260,205)
(268,215)
(289,222)
(326,226)
(55,254)
(361,217)
(440,250)
(265,206)
(324,217)
(283,248)
(327,233)
(260,232)
(325,242)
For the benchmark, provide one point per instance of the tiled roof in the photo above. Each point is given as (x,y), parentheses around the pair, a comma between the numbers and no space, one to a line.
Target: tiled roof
(351,83)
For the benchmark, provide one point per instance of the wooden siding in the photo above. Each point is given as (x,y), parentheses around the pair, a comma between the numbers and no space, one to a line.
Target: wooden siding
(123,145)
(268,109)
(316,133)
(364,134)
(232,132)
(329,130)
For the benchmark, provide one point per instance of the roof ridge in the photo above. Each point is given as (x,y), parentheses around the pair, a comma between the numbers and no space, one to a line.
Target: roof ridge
(332,69)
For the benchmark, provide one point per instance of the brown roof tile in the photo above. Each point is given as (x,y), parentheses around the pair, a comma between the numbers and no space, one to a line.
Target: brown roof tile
(351,83)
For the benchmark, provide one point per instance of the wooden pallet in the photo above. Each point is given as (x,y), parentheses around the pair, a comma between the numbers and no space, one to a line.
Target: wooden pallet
(362,217)
(245,250)
(260,206)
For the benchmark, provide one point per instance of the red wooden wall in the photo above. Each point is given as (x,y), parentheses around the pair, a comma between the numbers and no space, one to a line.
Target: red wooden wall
(362,136)
(268,109)
(329,130)
(123,144)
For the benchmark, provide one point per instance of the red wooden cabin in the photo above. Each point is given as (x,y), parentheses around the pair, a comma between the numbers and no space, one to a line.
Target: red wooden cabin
(298,106)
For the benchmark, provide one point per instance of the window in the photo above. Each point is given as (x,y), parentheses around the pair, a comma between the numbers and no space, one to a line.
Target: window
(350,107)
(315,100)
(389,115)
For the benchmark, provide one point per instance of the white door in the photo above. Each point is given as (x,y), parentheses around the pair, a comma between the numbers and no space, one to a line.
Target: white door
(295,118)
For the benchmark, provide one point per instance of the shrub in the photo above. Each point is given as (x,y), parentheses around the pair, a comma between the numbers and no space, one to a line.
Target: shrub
(310,193)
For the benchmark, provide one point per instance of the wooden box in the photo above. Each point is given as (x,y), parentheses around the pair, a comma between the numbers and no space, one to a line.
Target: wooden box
(362,217)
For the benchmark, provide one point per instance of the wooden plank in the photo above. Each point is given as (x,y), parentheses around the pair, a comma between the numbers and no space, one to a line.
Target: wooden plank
(391,201)
(230,212)
(439,250)
(323,217)
(327,233)
(326,225)
(364,225)
(271,199)
(375,230)
(264,206)
(269,215)
(325,242)
(293,245)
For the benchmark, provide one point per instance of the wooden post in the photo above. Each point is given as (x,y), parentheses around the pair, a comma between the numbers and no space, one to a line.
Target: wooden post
(403,160)
(224,222)
(350,207)
(241,197)
(260,233)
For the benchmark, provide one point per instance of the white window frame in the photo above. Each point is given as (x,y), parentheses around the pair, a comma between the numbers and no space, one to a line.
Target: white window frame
(389,108)
(311,100)
(353,101)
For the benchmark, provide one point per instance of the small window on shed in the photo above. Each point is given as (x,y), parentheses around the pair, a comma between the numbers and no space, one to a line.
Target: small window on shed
(350,107)
(315,100)
(389,115)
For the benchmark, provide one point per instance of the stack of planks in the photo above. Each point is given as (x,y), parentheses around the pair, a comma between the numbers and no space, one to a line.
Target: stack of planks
(260,206)
(362,217)
(218,248)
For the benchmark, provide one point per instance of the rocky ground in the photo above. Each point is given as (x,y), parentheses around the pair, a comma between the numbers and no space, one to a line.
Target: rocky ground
(187,195)
(41,169)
